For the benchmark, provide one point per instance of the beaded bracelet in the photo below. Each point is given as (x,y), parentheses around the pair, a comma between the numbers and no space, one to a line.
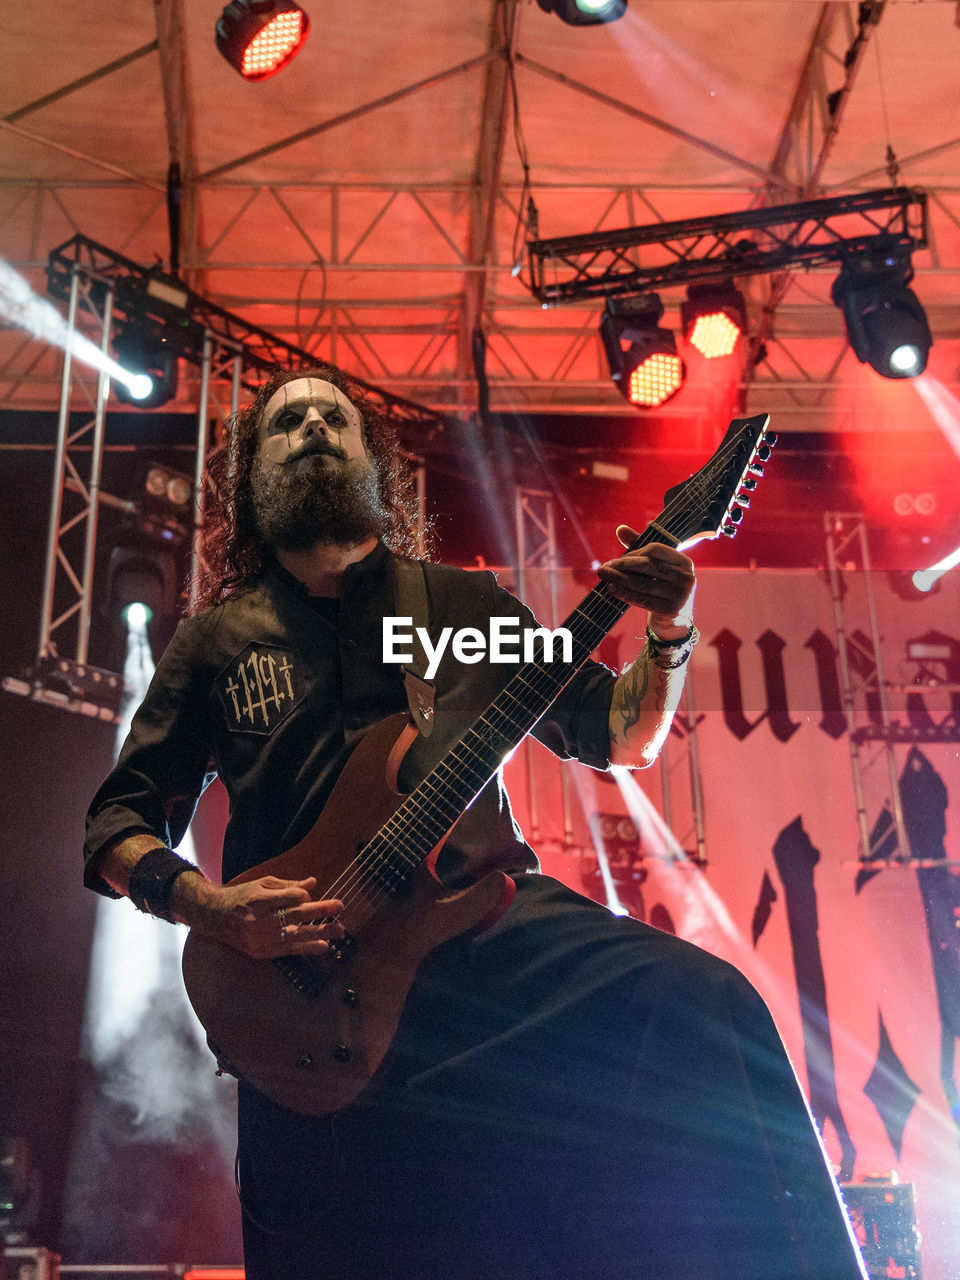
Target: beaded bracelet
(662,663)
(151,881)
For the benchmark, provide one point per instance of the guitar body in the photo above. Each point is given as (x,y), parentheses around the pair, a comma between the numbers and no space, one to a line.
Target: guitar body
(313,1051)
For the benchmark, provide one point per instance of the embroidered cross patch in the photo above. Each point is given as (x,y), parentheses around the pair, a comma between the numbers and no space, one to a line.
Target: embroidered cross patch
(259,688)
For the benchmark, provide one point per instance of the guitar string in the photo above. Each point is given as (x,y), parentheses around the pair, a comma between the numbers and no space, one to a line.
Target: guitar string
(355,881)
(481,769)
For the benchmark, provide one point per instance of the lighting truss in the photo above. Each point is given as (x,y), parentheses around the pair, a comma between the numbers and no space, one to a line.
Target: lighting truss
(714,248)
(189,319)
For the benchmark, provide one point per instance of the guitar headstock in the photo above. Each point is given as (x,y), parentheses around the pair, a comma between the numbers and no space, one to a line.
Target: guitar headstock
(712,501)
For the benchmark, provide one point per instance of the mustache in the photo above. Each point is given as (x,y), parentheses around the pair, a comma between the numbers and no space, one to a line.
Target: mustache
(315,447)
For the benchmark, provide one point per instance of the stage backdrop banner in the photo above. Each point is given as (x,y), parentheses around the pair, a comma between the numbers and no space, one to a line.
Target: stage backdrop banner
(860,966)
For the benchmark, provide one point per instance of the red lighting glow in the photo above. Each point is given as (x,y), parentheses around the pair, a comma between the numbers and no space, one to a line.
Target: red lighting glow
(655,380)
(273,46)
(214,1273)
(714,335)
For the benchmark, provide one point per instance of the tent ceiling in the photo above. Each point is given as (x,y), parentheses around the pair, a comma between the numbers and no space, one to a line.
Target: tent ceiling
(365,202)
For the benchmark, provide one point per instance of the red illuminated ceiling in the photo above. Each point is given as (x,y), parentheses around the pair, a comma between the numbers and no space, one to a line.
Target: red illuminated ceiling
(369,201)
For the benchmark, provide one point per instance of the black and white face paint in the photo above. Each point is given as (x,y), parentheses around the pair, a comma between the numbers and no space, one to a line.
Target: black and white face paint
(312,479)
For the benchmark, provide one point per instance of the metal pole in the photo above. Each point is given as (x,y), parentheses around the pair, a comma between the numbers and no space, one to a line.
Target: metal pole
(552,569)
(903,839)
(56,498)
(199,473)
(93,488)
(235,385)
(665,790)
(519,507)
(696,781)
(832,526)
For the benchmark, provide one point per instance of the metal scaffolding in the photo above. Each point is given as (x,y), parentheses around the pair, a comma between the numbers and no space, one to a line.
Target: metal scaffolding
(537,563)
(847,547)
(100,287)
(873,732)
(534,511)
(62,676)
(714,248)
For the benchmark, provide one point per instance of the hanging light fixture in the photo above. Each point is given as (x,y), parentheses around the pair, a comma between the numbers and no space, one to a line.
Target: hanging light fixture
(259,37)
(713,318)
(886,323)
(642,357)
(584,13)
(145,350)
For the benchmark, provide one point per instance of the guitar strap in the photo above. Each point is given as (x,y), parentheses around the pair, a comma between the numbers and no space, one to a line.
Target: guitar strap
(410,601)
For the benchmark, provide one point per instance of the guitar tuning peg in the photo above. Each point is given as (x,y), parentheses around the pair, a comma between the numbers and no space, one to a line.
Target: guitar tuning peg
(743,500)
(729,530)
(770,438)
(755,469)
(763,452)
(748,483)
(735,515)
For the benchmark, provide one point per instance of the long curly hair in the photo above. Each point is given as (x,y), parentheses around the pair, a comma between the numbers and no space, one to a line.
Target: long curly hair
(234,552)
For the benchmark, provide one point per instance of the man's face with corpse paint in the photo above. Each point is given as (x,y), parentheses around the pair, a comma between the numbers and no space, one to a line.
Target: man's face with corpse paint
(313,480)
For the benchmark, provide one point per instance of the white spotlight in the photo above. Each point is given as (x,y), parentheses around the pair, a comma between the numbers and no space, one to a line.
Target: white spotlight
(924,579)
(137,616)
(22,307)
(140,385)
(905,359)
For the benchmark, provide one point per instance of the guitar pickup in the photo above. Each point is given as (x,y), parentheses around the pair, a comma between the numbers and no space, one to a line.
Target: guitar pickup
(343,948)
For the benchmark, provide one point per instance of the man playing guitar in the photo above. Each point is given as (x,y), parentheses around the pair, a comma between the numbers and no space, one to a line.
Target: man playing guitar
(528,1087)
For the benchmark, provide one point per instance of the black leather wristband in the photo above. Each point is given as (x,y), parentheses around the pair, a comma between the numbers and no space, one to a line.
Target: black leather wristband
(656,642)
(151,881)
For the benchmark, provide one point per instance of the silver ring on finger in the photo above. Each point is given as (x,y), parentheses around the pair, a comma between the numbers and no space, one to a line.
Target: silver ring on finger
(282,917)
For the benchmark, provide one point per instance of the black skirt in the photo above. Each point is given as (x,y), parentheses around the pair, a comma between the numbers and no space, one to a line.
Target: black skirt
(570,1095)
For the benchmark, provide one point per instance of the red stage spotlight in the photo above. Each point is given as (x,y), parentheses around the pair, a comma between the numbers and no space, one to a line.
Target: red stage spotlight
(657,376)
(714,316)
(647,370)
(259,37)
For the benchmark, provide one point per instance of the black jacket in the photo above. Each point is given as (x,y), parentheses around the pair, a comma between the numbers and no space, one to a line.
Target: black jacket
(271,690)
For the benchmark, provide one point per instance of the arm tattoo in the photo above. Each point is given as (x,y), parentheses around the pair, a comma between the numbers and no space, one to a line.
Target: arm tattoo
(629,693)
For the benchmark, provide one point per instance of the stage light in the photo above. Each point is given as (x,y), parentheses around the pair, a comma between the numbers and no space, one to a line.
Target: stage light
(166,490)
(147,355)
(585,13)
(903,583)
(259,37)
(141,582)
(19,1191)
(137,615)
(926,579)
(647,370)
(713,318)
(885,321)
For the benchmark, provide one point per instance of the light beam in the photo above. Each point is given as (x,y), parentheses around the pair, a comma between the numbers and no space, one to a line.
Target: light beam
(27,310)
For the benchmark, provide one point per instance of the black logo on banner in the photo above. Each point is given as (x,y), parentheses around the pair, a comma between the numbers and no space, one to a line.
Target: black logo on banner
(259,688)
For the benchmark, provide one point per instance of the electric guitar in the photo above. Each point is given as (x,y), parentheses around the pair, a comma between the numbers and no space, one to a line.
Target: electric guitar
(309,1032)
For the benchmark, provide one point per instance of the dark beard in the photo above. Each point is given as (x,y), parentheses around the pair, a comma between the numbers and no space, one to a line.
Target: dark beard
(338,506)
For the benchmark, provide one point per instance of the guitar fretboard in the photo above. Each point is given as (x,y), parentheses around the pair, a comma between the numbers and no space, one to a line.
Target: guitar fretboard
(435,805)
(699,507)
